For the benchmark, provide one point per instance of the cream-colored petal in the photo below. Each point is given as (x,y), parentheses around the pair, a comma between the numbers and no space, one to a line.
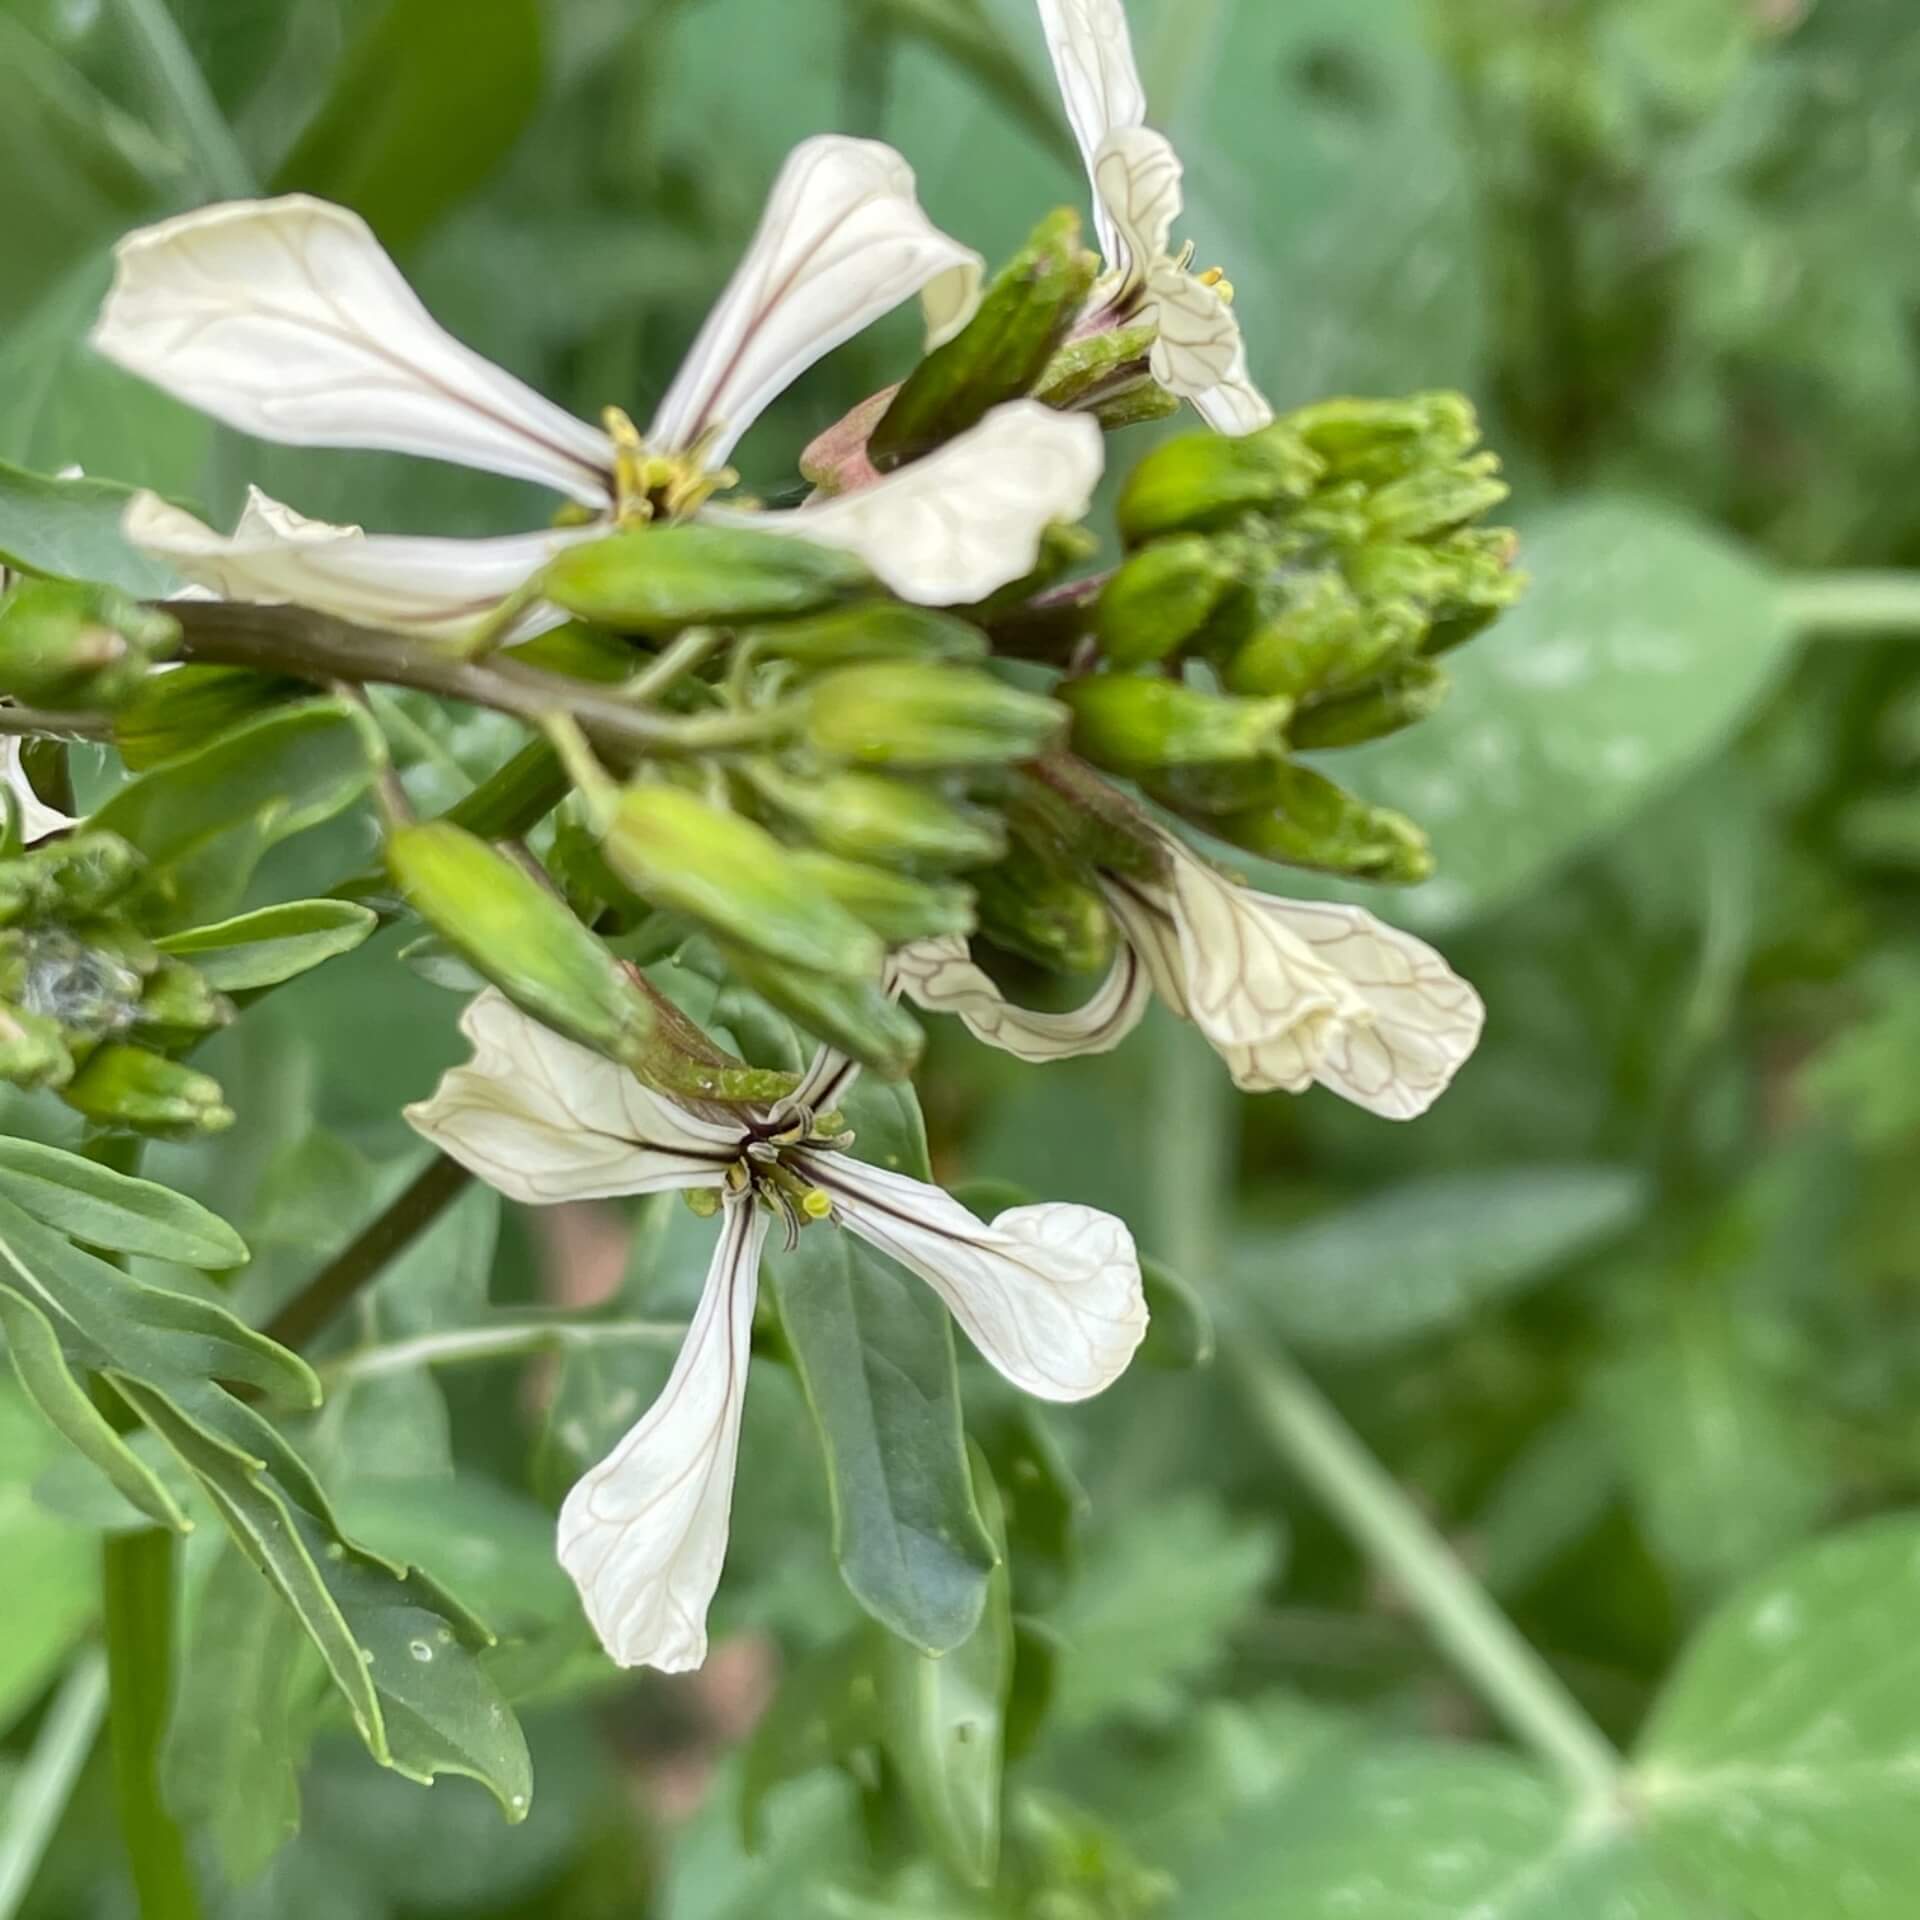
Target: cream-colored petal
(37,819)
(644,1534)
(1236,406)
(1425,1021)
(939,975)
(1051,1295)
(1136,184)
(1268,1003)
(843,240)
(1099,86)
(285,318)
(412,583)
(1197,346)
(966,520)
(543,1119)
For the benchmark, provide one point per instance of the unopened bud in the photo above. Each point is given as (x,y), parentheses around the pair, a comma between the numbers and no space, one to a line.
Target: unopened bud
(1379,440)
(515,932)
(1132,725)
(1322,639)
(897,908)
(1057,919)
(33,1052)
(1400,698)
(675,850)
(853,1015)
(178,1005)
(1208,480)
(64,644)
(1088,370)
(81,875)
(1314,823)
(1001,352)
(1162,597)
(124,1086)
(173,713)
(657,580)
(1435,500)
(868,816)
(911,714)
(866,630)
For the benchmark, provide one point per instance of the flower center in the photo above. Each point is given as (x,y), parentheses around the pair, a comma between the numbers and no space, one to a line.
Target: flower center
(764,1170)
(649,485)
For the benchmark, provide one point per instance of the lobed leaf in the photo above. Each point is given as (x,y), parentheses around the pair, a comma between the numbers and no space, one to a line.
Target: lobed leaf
(102,1208)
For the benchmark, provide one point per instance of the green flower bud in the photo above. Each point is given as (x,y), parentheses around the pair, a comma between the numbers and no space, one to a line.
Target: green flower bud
(867,630)
(1435,500)
(896,908)
(65,644)
(1321,638)
(179,1006)
(914,714)
(178,712)
(123,1086)
(1002,351)
(1379,440)
(1207,480)
(86,987)
(515,932)
(1313,823)
(33,1052)
(656,580)
(853,1015)
(81,875)
(1086,371)
(1161,597)
(867,816)
(1051,916)
(580,652)
(675,850)
(1131,725)
(1408,693)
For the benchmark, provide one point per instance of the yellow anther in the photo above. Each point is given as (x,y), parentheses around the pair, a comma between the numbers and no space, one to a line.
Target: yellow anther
(816,1203)
(632,497)
(1215,277)
(649,485)
(702,1202)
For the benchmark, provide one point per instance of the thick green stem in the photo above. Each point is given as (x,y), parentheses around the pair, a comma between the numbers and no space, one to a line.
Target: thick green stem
(137,1618)
(410,1214)
(170,65)
(1864,605)
(44,1785)
(1483,1644)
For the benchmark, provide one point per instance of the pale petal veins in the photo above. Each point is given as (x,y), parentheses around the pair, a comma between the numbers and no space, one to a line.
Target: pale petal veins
(1136,183)
(413,583)
(843,240)
(545,1120)
(1051,1295)
(966,520)
(938,975)
(285,318)
(644,1534)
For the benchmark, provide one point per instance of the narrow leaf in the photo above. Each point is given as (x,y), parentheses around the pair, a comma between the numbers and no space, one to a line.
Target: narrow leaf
(94,1204)
(277,943)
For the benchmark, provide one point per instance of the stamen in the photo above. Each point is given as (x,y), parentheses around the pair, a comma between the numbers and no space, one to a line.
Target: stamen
(632,497)
(1216,278)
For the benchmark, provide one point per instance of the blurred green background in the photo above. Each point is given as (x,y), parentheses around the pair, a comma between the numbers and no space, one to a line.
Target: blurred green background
(1632,1316)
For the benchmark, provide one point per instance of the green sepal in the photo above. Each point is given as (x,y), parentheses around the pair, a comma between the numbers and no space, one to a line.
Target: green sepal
(1206,480)
(913,715)
(1137,726)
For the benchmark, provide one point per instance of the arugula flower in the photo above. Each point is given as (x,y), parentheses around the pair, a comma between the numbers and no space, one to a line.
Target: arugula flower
(1290,993)
(1198,352)
(1051,1295)
(286,319)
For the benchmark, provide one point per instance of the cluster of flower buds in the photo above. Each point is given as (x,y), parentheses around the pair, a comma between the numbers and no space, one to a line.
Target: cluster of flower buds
(89,1005)
(1291,591)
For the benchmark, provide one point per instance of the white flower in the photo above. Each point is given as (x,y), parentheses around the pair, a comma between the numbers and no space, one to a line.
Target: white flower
(285,318)
(1290,993)
(1051,1295)
(1198,352)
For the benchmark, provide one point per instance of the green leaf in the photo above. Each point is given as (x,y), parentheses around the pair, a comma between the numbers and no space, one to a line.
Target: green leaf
(72,528)
(421,111)
(231,1762)
(942,1722)
(1426,1255)
(204,821)
(1153,1607)
(874,1350)
(51,1588)
(1777,1769)
(262,949)
(94,1204)
(1641,645)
